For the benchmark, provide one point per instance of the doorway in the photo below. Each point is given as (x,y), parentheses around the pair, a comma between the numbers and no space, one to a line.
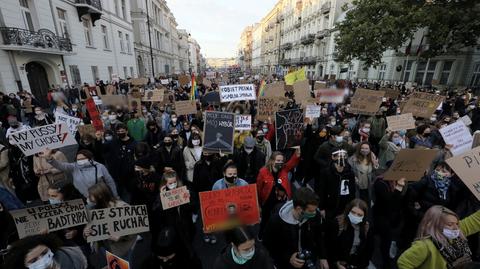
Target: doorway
(38,80)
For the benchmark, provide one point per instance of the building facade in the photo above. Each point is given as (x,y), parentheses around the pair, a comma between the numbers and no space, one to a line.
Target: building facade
(60,42)
(245,50)
(194,56)
(257,48)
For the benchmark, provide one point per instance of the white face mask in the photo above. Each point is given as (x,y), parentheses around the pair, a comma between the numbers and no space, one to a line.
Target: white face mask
(339,139)
(354,219)
(248,151)
(44,262)
(82,162)
(451,234)
(366,130)
(112,117)
(172,186)
(195,142)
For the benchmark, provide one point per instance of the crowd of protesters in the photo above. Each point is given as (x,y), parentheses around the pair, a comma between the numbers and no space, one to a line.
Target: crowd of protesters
(325,204)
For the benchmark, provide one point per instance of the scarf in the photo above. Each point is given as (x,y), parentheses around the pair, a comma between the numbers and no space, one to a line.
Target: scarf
(456,253)
(441,185)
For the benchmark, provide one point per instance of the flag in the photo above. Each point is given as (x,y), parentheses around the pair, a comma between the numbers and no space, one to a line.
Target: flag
(193,90)
(295,76)
(261,88)
(420,47)
(409,48)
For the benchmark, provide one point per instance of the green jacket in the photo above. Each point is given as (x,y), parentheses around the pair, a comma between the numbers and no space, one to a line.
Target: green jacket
(424,255)
(137,129)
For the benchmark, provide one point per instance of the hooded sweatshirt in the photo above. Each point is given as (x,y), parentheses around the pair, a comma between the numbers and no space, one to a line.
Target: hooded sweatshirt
(260,259)
(70,257)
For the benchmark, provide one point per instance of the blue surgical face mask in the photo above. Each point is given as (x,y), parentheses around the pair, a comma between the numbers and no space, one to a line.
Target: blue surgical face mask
(54,201)
(354,219)
(242,258)
(396,140)
(402,132)
(44,262)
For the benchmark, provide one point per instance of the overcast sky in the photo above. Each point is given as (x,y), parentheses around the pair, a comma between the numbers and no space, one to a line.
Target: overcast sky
(217,24)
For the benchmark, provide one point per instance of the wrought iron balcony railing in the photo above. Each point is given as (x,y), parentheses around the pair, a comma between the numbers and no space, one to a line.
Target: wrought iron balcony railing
(43,38)
(97,4)
(92,7)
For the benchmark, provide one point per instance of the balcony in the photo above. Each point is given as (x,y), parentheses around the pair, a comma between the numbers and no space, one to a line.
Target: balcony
(92,7)
(308,39)
(322,34)
(326,8)
(297,24)
(287,46)
(43,40)
(285,61)
(311,60)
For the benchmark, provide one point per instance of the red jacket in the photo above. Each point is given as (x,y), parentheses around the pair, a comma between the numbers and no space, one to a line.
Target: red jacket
(265,180)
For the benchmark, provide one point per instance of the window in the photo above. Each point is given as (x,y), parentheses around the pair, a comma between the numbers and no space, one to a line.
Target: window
(122,45)
(407,70)
(117,9)
(87,30)
(110,72)
(158,40)
(430,72)
(424,71)
(420,72)
(27,15)
(124,9)
(131,72)
(381,72)
(447,67)
(62,22)
(106,44)
(95,73)
(476,75)
(125,72)
(75,75)
(127,40)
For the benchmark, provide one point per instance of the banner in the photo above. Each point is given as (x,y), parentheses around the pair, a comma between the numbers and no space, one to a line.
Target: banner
(71,122)
(422,104)
(224,209)
(467,167)
(330,96)
(312,111)
(49,218)
(35,140)
(366,102)
(401,122)
(243,122)
(117,221)
(458,135)
(94,115)
(267,107)
(175,197)
(411,164)
(240,92)
(153,95)
(185,107)
(115,262)
(218,132)
(289,128)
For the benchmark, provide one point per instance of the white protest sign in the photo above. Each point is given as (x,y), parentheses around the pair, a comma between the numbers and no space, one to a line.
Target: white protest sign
(239,92)
(71,122)
(175,197)
(210,74)
(312,111)
(458,135)
(243,122)
(49,218)
(164,81)
(35,140)
(466,119)
(97,100)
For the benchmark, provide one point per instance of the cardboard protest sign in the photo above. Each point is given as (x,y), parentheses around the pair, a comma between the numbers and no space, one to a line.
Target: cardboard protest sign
(275,89)
(71,122)
(118,221)
(134,105)
(330,95)
(320,85)
(183,79)
(210,74)
(115,262)
(35,140)
(366,102)
(301,90)
(243,122)
(467,166)
(86,129)
(422,104)
(289,128)
(153,95)
(114,100)
(164,81)
(410,164)
(110,90)
(175,197)
(218,132)
(391,93)
(224,209)
(267,107)
(240,92)
(458,135)
(94,114)
(139,81)
(207,83)
(186,107)
(312,111)
(49,218)
(401,122)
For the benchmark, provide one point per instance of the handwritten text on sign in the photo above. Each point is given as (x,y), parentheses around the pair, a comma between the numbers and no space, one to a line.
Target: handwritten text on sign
(312,111)
(49,218)
(35,140)
(71,122)
(458,135)
(243,122)
(241,92)
(117,221)
(175,197)
(401,122)
(466,166)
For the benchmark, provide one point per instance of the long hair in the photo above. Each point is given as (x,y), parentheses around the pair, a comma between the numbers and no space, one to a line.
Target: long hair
(344,221)
(19,249)
(171,174)
(360,157)
(102,194)
(432,224)
(271,162)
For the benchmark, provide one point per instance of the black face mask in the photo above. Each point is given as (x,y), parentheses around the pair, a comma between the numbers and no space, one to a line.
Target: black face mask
(260,138)
(122,135)
(174,136)
(152,129)
(15,126)
(208,158)
(167,144)
(278,166)
(230,179)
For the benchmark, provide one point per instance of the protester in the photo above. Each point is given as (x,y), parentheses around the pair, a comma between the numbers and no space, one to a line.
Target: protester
(249,160)
(46,173)
(364,163)
(192,154)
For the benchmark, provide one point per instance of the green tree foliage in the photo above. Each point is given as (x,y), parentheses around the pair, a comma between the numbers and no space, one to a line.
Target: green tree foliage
(373,26)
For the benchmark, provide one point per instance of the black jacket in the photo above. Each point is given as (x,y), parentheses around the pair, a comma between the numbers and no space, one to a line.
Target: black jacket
(249,164)
(154,139)
(427,195)
(205,175)
(119,159)
(324,152)
(261,259)
(172,158)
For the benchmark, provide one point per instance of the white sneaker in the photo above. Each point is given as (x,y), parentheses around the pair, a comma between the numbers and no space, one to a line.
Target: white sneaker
(206,239)
(213,239)
(194,218)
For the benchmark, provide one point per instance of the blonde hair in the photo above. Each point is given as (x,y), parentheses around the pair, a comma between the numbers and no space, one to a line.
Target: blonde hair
(433,222)
(271,161)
